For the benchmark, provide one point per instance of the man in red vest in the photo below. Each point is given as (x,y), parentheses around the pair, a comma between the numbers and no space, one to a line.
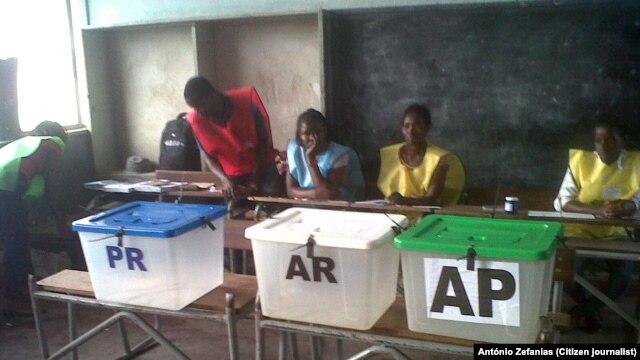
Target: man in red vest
(233,131)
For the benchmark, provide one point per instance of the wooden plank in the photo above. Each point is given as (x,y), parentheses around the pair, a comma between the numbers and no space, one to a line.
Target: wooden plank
(603,245)
(187,176)
(234,234)
(345,205)
(244,287)
(71,282)
(203,193)
(479,211)
(394,323)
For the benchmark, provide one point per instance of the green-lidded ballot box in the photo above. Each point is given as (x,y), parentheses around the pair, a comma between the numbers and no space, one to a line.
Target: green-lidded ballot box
(478,278)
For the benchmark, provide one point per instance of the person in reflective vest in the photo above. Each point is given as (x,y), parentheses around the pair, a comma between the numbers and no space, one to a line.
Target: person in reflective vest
(606,183)
(29,168)
(416,172)
(234,135)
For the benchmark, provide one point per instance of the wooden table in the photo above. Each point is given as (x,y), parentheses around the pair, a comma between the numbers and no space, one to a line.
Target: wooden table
(227,303)
(344,205)
(390,332)
(480,211)
(592,248)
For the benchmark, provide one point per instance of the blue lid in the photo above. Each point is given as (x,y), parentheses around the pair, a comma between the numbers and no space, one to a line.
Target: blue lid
(151,219)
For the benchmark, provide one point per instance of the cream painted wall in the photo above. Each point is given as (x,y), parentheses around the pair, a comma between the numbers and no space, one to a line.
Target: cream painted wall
(149,66)
(280,57)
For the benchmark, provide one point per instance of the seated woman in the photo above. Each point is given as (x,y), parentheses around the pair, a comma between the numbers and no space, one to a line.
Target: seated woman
(318,167)
(418,173)
(606,183)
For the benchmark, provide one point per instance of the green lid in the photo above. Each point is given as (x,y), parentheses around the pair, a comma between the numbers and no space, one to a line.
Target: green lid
(498,238)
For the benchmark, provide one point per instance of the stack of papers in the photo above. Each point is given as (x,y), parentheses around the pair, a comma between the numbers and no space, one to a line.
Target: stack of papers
(158,186)
(562,215)
(154,186)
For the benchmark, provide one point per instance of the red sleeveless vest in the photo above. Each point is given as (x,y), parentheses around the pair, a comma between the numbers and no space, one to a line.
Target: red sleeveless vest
(236,144)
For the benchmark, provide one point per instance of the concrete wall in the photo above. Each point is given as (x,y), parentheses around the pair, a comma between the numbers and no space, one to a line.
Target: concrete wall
(123,12)
(286,73)
(149,66)
(134,75)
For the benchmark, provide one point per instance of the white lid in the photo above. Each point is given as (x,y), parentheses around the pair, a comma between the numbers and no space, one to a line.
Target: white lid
(511,198)
(334,228)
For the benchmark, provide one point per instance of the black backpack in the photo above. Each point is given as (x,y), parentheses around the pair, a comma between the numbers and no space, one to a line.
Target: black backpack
(178,147)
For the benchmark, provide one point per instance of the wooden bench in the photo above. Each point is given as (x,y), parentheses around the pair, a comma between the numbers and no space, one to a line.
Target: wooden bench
(227,303)
(187,176)
(390,332)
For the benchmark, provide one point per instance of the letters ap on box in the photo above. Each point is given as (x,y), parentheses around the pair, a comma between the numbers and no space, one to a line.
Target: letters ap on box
(499,297)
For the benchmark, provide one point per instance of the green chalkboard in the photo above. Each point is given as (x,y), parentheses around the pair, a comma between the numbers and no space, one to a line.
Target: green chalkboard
(511,86)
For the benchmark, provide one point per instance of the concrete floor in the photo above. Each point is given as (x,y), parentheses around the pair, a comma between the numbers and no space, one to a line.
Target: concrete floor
(201,339)
(197,338)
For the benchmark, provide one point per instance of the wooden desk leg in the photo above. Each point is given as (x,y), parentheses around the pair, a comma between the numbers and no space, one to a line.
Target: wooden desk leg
(37,316)
(232,261)
(317,347)
(231,326)
(556,306)
(245,268)
(293,340)
(259,329)
(71,311)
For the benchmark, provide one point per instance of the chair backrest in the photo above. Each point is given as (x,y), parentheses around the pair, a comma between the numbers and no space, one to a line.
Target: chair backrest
(455,182)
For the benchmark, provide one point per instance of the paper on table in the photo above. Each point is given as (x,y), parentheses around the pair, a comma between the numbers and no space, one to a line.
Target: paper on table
(564,215)
(373,202)
(385,202)
(119,187)
(158,186)
(203,185)
(99,185)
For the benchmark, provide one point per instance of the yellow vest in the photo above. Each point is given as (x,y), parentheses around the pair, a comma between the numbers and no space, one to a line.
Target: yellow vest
(598,182)
(395,176)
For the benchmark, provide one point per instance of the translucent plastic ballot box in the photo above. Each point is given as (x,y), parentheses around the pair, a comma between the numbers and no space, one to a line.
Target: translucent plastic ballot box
(154,254)
(478,278)
(328,267)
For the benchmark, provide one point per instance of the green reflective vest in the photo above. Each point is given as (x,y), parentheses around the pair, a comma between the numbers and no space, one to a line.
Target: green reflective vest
(10,159)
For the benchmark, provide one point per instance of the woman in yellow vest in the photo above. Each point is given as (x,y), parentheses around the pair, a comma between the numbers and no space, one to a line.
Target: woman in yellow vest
(418,173)
(605,183)
(29,168)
